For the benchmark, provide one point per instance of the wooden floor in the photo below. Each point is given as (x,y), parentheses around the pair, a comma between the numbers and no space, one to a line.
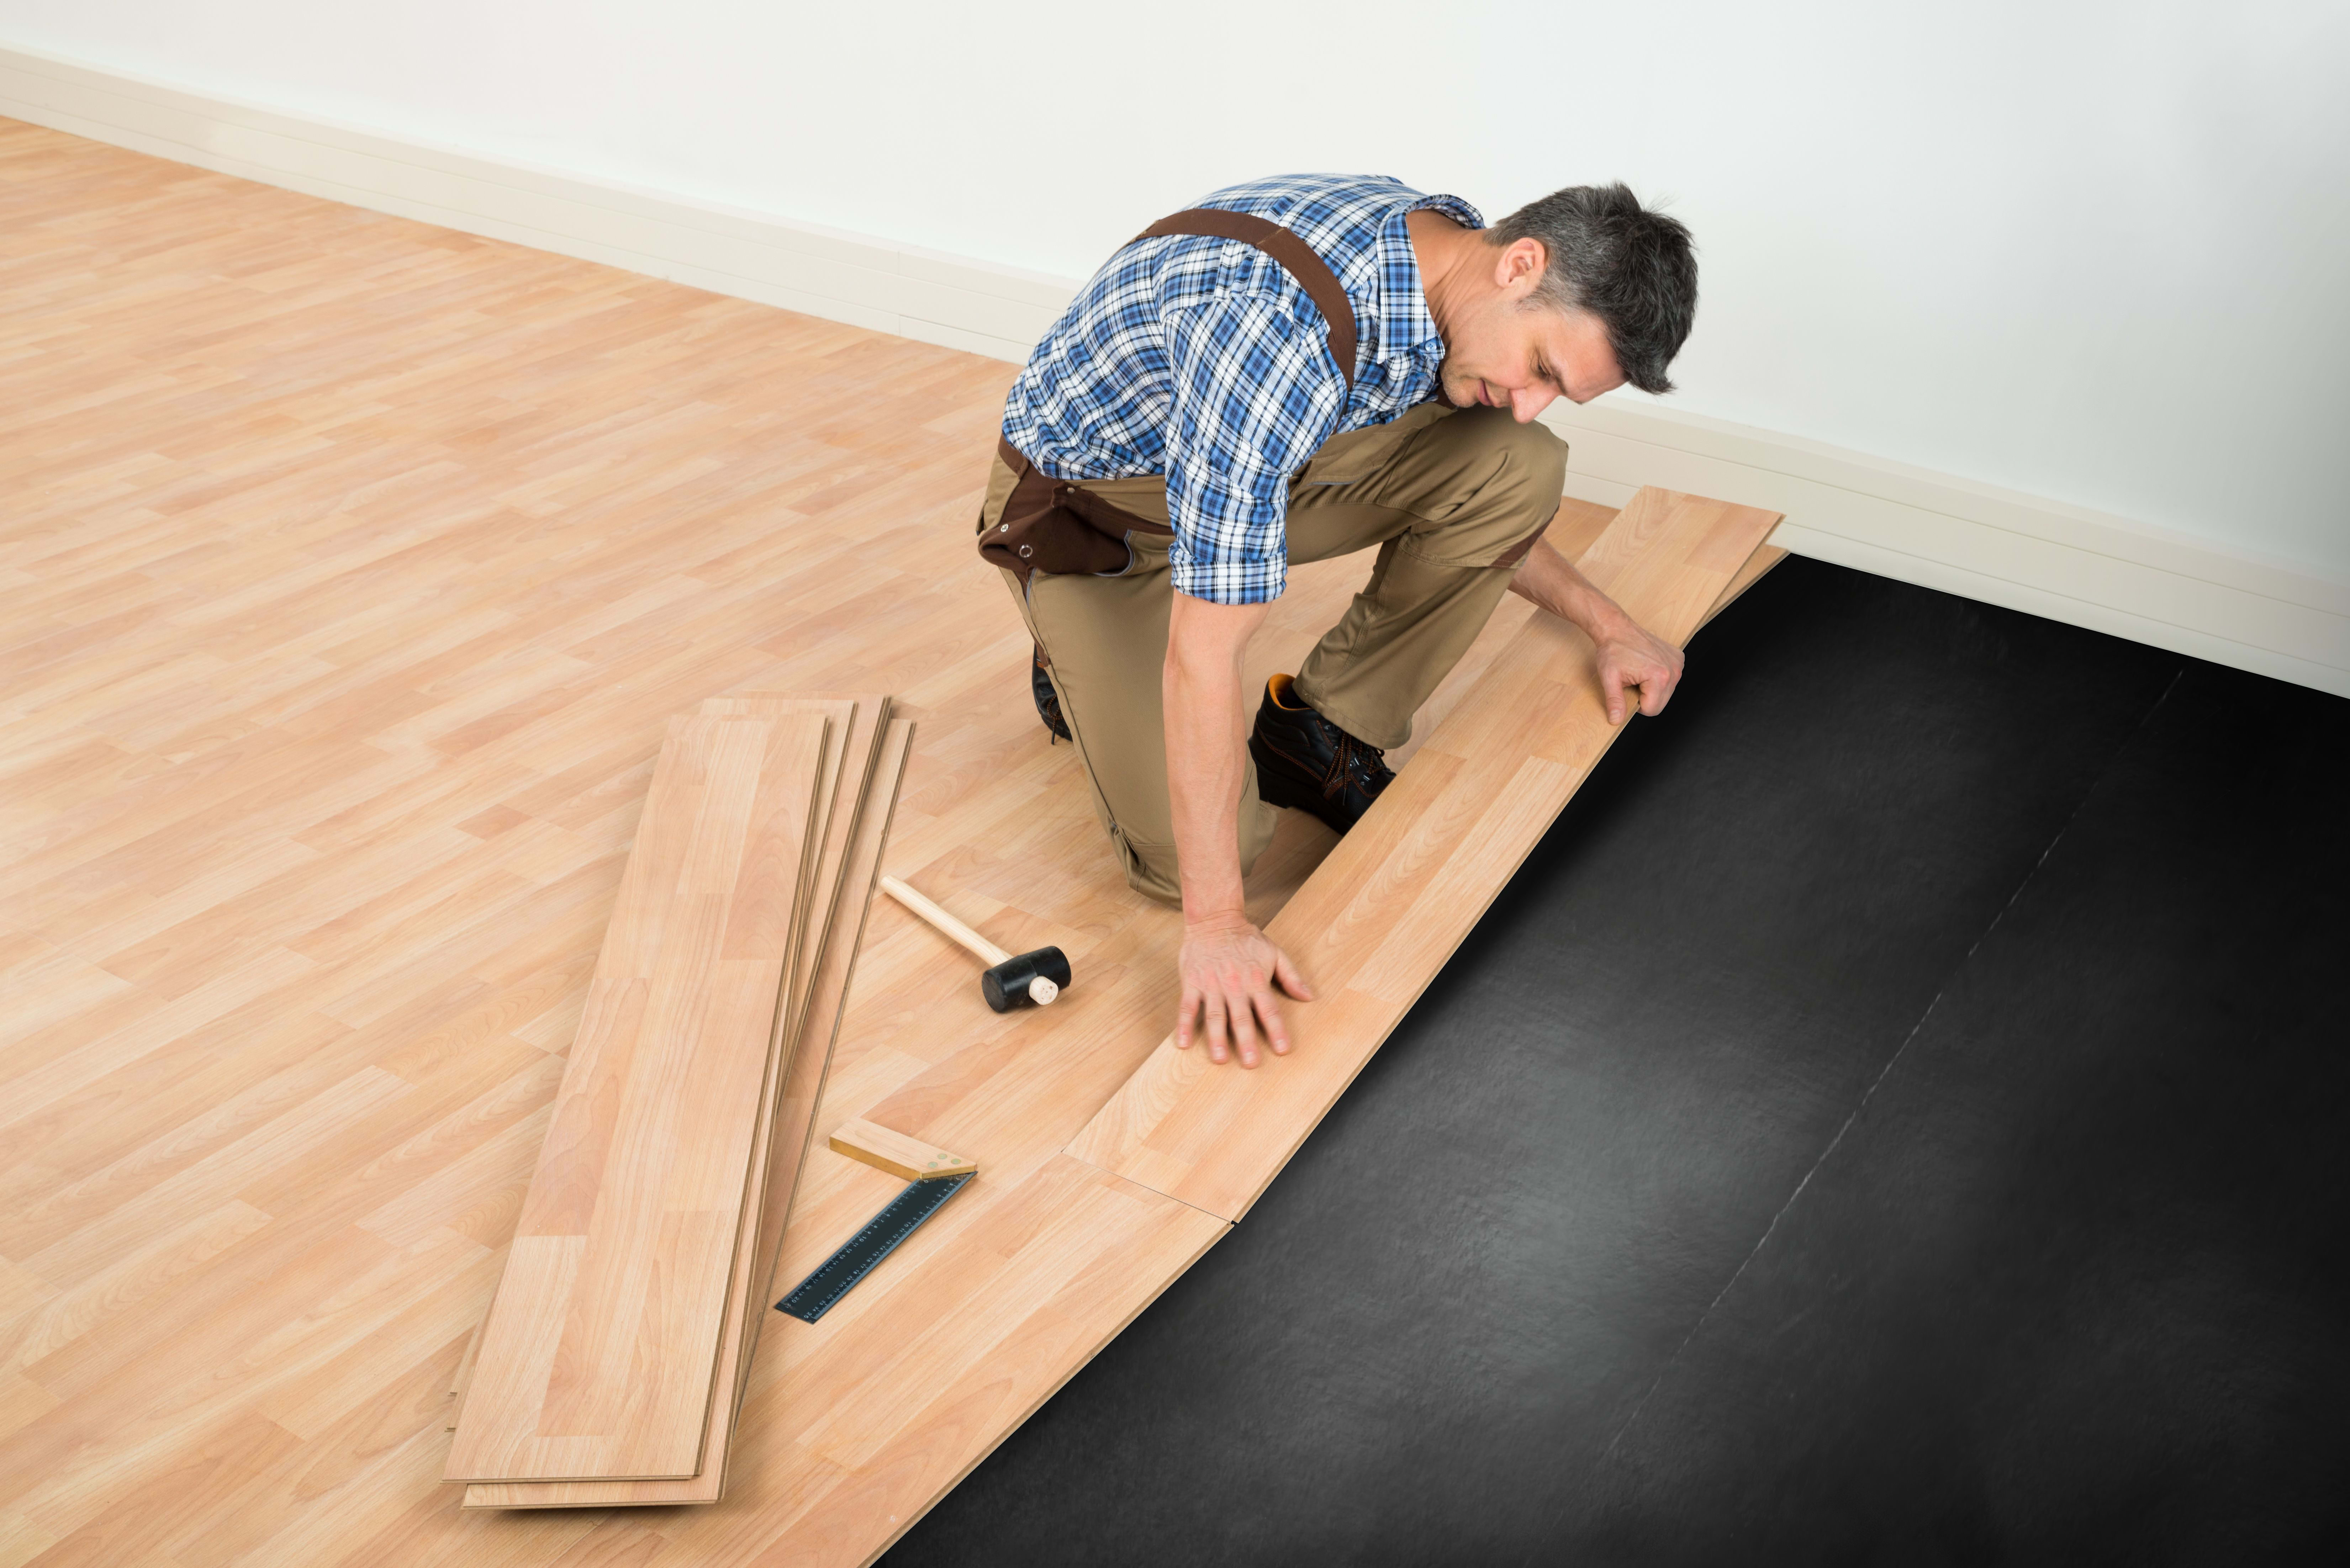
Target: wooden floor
(351,570)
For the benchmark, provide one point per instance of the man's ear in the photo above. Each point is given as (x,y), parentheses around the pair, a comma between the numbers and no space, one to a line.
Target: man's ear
(1518,269)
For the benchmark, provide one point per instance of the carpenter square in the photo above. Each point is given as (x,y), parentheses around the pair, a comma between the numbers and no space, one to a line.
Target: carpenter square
(935,1175)
(814,1296)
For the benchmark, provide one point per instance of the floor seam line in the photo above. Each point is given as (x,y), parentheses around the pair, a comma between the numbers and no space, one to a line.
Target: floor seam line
(1861,1104)
(1145,1186)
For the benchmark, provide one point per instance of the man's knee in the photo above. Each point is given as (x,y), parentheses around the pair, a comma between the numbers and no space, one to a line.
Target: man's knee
(1524,465)
(1154,871)
(1151,869)
(1505,481)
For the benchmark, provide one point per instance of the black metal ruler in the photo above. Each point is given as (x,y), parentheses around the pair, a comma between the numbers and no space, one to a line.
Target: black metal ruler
(813,1296)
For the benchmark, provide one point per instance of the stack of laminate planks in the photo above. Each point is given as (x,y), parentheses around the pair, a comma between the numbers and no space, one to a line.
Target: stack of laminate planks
(610,1368)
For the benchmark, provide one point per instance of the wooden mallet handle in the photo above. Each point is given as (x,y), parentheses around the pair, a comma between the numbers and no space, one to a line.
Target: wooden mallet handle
(1040,990)
(948,926)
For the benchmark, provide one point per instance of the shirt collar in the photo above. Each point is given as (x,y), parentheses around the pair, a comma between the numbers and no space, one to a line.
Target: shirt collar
(1405,326)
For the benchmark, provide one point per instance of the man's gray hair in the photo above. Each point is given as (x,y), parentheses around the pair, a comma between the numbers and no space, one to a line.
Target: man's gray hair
(1633,268)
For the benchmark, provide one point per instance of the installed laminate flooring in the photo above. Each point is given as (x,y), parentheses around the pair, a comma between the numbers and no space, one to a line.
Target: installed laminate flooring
(1898,1116)
(1377,921)
(354,570)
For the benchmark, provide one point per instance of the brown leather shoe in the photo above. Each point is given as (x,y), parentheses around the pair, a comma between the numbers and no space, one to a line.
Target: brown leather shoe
(1307,763)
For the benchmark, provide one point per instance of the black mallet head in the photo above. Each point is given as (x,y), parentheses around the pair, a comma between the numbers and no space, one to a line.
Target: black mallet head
(1025,979)
(1015,980)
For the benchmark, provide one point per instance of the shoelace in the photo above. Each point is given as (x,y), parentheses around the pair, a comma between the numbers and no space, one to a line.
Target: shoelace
(1361,766)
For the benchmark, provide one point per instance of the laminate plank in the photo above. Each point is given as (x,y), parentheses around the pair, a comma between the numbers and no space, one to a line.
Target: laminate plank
(599,1356)
(876,748)
(852,748)
(745,1189)
(788,1139)
(741,1311)
(1375,923)
(794,1127)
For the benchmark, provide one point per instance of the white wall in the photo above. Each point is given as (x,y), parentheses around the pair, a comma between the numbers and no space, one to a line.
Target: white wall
(2093,252)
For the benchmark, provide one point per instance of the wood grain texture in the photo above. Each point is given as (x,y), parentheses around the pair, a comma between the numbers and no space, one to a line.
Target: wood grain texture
(857,835)
(840,716)
(599,1356)
(354,569)
(793,1133)
(1375,923)
(786,1136)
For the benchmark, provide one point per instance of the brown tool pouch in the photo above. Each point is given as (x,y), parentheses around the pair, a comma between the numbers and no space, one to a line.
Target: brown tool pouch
(1054,525)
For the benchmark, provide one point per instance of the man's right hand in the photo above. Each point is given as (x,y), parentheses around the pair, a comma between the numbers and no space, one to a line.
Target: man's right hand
(1229,967)
(1230,970)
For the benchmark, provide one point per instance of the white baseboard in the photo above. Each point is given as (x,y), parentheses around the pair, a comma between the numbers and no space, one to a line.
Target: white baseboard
(2047,558)
(900,289)
(2232,607)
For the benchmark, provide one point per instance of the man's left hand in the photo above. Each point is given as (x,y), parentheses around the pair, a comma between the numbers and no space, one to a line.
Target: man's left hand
(1636,669)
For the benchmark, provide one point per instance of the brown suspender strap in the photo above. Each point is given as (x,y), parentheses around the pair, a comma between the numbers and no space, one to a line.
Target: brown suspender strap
(1295,256)
(1054,526)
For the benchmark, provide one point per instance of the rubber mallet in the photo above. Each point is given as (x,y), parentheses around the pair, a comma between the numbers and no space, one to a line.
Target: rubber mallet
(1012,979)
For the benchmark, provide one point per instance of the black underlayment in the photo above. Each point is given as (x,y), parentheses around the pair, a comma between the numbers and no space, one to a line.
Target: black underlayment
(1900,1115)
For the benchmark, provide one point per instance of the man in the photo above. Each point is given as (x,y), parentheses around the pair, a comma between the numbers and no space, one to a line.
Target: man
(1302,367)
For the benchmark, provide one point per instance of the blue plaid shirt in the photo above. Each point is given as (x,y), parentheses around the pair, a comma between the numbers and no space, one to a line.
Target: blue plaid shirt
(1202,359)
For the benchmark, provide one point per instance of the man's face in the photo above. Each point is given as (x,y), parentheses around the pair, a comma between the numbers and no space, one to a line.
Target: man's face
(1503,351)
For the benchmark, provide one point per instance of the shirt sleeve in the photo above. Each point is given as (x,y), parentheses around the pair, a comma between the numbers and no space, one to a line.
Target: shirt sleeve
(1255,395)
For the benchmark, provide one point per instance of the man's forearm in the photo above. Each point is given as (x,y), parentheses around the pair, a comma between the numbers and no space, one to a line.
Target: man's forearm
(1636,670)
(1551,583)
(1206,756)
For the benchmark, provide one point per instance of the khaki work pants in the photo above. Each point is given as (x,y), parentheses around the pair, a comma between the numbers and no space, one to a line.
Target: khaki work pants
(1453,499)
